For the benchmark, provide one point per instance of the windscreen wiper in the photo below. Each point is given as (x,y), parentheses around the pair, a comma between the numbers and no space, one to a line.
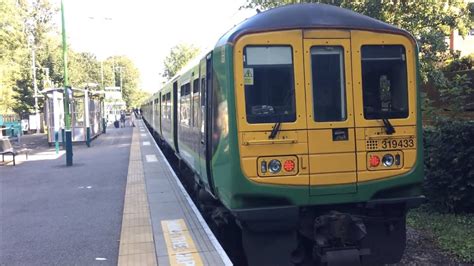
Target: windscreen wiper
(275,130)
(389,129)
(277,126)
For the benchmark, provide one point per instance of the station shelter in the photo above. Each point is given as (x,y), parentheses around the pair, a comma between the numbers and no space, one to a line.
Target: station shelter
(87,111)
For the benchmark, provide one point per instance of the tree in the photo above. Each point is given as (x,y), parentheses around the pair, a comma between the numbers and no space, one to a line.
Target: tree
(33,22)
(138,97)
(12,50)
(178,57)
(83,68)
(27,24)
(267,4)
(120,69)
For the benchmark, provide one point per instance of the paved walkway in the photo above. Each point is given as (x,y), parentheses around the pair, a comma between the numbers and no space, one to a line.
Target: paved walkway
(51,214)
(181,235)
(136,243)
(120,203)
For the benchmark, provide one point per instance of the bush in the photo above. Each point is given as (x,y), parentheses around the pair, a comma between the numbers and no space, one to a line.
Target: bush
(460,63)
(449,160)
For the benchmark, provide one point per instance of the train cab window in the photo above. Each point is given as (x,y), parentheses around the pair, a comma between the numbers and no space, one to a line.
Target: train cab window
(384,81)
(327,71)
(269,84)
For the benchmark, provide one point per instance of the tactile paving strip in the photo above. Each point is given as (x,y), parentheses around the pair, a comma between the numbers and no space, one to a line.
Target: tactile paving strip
(136,240)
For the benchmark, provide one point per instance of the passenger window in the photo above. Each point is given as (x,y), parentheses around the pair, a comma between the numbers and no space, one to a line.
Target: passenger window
(196,105)
(196,86)
(269,84)
(167,106)
(384,81)
(185,104)
(163,108)
(329,93)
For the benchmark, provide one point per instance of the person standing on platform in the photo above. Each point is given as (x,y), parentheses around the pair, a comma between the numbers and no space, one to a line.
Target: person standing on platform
(132,118)
(122,118)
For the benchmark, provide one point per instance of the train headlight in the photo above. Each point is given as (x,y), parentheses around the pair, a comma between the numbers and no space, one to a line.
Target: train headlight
(388,160)
(274,166)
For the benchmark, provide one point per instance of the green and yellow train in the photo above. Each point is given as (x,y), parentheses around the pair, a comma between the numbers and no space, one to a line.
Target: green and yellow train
(304,123)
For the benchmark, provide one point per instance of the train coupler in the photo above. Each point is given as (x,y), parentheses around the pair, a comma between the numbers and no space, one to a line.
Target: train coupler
(344,257)
(337,237)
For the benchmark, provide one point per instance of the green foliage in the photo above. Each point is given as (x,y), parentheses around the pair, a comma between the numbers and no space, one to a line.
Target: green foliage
(83,68)
(12,50)
(120,69)
(178,57)
(267,4)
(138,98)
(456,93)
(449,165)
(24,21)
(453,233)
(470,6)
(460,63)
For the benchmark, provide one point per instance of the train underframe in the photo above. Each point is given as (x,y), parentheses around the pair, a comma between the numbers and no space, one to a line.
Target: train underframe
(371,233)
(366,233)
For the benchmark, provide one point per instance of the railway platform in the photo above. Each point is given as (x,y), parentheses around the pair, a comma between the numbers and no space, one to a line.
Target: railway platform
(119,204)
(180,234)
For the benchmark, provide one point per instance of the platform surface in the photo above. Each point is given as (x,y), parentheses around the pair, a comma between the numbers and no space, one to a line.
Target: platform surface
(120,204)
(179,231)
(51,214)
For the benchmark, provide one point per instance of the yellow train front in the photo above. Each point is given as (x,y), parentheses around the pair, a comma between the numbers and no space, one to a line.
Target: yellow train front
(304,124)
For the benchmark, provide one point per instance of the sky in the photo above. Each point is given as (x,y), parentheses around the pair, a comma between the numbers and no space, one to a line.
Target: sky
(146,30)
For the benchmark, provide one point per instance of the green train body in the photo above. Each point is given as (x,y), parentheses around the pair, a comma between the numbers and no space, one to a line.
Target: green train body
(201,116)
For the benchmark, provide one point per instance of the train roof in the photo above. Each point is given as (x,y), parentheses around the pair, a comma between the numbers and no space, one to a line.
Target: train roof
(307,16)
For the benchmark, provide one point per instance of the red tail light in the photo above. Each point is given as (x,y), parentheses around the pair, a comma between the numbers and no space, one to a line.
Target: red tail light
(374,161)
(289,165)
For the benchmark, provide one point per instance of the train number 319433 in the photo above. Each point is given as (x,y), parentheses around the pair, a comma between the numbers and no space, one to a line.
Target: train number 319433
(397,143)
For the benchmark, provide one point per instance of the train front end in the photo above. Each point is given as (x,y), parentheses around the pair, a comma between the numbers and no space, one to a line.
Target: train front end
(328,136)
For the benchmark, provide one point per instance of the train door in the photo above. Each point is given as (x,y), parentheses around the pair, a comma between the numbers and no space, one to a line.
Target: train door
(205,125)
(160,114)
(175,115)
(329,105)
(153,113)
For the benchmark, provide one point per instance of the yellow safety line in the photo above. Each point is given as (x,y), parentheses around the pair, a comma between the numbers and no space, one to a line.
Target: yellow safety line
(180,244)
(137,246)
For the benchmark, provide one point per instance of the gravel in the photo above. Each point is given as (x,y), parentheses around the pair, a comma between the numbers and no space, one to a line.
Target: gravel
(422,250)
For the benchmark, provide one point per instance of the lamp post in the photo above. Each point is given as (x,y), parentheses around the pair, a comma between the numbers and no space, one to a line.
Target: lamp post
(31,41)
(67,94)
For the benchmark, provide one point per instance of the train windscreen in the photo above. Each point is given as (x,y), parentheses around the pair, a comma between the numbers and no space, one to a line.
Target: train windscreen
(384,81)
(269,84)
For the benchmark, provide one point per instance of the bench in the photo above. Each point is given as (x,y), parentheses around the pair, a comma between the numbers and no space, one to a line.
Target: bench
(6,148)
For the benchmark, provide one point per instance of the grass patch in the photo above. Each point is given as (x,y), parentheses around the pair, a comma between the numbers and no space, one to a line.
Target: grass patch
(453,233)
